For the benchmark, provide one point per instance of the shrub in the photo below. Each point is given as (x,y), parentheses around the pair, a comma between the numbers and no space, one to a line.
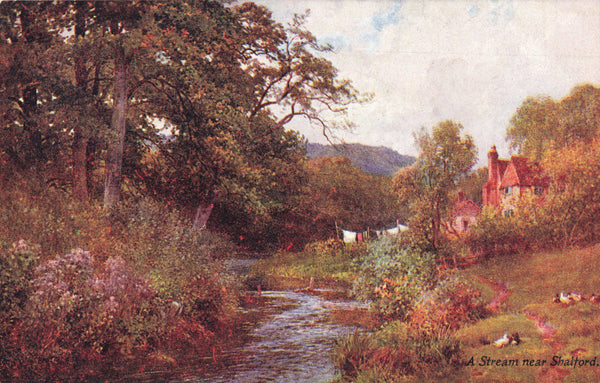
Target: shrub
(448,306)
(17,268)
(392,277)
(80,313)
(495,234)
(433,353)
(184,265)
(154,232)
(202,287)
(396,352)
(329,247)
(44,216)
(558,219)
(359,353)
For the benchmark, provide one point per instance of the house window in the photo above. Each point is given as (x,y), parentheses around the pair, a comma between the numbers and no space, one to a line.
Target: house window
(508,190)
(538,190)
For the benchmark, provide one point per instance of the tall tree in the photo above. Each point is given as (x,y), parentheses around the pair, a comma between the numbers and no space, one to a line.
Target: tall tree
(541,123)
(215,75)
(580,114)
(80,187)
(573,203)
(290,76)
(240,67)
(126,22)
(472,184)
(70,69)
(339,192)
(88,58)
(445,157)
(533,126)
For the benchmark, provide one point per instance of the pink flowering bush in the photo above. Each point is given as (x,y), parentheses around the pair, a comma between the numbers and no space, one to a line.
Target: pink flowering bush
(79,313)
(86,313)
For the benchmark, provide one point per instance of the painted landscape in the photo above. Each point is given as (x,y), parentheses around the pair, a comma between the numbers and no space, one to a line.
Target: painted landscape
(215,191)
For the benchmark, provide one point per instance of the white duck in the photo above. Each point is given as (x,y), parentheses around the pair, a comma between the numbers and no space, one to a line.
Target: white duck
(503,341)
(562,298)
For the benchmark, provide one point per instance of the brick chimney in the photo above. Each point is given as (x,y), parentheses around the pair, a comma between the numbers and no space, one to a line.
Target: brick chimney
(493,165)
(490,190)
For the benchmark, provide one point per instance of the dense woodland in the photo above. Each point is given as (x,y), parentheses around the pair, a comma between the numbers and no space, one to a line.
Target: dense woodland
(142,143)
(111,101)
(138,149)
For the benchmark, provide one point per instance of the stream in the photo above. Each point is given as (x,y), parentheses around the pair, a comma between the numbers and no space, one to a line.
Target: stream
(293,345)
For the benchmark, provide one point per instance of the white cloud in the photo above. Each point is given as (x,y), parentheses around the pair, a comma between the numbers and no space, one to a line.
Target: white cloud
(470,61)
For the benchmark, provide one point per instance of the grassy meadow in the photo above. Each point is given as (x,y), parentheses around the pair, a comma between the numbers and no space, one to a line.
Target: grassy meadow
(570,330)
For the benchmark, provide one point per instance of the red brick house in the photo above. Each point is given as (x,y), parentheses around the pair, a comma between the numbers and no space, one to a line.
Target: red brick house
(510,180)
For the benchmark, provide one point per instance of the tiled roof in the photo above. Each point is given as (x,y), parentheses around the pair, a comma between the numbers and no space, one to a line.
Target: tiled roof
(522,172)
(502,165)
(466,208)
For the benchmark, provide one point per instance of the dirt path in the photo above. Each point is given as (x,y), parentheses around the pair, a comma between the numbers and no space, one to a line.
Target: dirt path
(548,374)
(503,293)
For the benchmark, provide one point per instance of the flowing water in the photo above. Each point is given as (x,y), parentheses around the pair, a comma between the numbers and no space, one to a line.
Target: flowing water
(292,346)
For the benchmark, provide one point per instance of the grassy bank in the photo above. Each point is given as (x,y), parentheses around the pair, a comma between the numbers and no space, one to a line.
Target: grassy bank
(548,329)
(332,264)
(449,335)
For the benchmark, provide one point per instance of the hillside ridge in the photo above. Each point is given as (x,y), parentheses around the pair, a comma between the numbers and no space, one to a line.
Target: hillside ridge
(370,159)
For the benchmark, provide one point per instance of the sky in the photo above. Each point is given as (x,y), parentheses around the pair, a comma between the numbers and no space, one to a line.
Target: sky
(427,61)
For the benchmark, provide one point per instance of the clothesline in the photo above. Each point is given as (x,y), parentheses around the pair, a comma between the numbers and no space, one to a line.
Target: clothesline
(349,236)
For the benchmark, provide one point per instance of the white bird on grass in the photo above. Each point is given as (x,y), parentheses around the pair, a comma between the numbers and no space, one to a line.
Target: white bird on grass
(503,341)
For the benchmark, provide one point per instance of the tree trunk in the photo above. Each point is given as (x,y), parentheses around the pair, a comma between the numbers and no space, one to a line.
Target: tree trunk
(30,99)
(80,141)
(114,159)
(80,189)
(202,215)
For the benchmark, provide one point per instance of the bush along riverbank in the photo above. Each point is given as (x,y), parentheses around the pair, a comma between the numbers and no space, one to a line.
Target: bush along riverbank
(420,308)
(90,295)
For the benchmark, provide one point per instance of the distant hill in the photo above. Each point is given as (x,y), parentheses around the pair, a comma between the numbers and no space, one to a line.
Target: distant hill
(370,159)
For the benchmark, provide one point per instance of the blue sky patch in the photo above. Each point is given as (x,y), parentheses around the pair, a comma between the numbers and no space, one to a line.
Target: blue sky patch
(337,41)
(384,18)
